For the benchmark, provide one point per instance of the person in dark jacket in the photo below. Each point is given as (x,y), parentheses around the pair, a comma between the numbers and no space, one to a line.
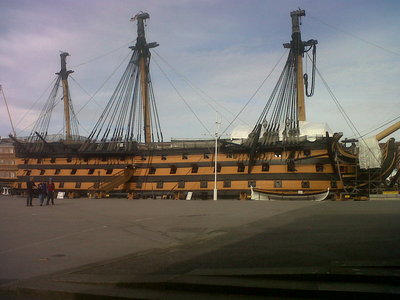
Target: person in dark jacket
(29,190)
(50,192)
(42,192)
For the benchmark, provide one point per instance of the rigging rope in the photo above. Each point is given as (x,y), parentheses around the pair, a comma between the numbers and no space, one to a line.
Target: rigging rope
(85,91)
(183,99)
(339,106)
(121,119)
(73,118)
(199,91)
(42,123)
(30,108)
(103,84)
(254,94)
(355,36)
(102,55)
(305,76)
(281,108)
(8,111)
(381,126)
(156,120)
(344,114)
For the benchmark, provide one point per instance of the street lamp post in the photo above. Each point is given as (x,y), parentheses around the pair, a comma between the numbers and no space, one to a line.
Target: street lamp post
(216,158)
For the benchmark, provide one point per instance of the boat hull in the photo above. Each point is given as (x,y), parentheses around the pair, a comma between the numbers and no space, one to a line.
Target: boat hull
(300,195)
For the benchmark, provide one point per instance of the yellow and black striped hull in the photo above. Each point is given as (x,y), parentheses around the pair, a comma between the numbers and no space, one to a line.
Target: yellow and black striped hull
(171,170)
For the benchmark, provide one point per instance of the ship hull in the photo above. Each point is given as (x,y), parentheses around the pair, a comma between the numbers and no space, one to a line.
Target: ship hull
(172,170)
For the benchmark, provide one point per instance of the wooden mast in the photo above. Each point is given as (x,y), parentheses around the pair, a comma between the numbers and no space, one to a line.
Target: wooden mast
(144,58)
(381,135)
(145,100)
(64,78)
(298,46)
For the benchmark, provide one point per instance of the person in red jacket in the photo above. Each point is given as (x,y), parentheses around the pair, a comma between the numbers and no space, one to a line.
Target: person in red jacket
(50,192)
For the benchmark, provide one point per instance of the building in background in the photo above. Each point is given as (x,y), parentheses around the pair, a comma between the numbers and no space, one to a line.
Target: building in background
(8,167)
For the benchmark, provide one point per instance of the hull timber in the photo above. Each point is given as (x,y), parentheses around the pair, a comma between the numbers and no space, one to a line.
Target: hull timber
(171,170)
(356,180)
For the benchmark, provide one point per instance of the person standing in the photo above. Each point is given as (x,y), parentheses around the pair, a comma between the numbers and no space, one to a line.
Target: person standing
(29,190)
(50,192)
(42,192)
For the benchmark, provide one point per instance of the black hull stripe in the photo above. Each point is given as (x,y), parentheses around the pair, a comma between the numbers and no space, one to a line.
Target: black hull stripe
(191,178)
(167,164)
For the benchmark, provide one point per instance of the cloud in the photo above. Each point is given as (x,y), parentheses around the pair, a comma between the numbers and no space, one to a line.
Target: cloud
(226,48)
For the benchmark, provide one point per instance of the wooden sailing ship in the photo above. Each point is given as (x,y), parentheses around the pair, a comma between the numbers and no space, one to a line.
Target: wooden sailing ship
(125,153)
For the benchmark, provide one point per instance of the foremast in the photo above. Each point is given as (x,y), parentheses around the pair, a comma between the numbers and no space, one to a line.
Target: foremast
(66,97)
(39,138)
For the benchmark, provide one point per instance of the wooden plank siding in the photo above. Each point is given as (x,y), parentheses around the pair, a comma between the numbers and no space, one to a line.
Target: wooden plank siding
(179,170)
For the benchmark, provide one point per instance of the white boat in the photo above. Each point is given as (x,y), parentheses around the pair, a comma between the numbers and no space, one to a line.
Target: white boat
(258,194)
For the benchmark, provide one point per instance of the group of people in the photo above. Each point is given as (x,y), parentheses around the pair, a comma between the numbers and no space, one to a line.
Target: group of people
(46,190)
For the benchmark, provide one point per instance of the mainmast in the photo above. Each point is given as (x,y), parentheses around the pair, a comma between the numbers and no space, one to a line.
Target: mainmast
(297,44)
(130,116)
(285,108)
(144,59)
(64,79)
(298,47)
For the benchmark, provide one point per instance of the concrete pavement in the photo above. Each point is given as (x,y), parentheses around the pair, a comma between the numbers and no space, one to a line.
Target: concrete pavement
(165,249)
(40,240)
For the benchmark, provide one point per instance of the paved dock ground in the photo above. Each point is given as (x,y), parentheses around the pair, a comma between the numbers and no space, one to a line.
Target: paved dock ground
(42,239)
(118,241)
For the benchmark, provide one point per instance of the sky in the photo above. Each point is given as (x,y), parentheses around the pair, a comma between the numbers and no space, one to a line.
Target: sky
(214,51)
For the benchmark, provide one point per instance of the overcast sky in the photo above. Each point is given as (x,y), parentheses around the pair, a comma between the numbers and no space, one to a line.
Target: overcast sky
(225,48)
